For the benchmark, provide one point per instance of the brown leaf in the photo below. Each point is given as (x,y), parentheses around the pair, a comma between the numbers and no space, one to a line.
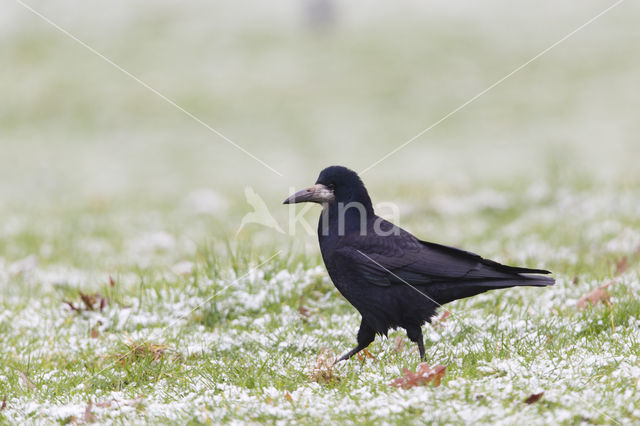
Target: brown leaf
(94,332)
(398,344)
(112,283)
(104,404)
(137,351)
(364,354)
(4,403)
(288,396)
(323,372)
(599,294)
(88,416)
(441,320)
(423,375)
(304,312)
(73,308)
(534,397)
(88,300)
(91,302)
(26,380)
(622,265)
(109,402)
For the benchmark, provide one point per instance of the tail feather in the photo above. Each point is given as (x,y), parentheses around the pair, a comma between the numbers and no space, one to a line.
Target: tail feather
(448,292)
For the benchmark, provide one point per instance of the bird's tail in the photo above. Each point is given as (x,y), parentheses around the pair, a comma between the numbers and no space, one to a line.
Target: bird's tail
(536,280)
(448,292)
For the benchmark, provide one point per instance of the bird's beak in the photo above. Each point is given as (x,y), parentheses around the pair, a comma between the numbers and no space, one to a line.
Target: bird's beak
(317,193)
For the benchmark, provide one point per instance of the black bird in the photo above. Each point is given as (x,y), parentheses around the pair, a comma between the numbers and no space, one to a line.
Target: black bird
(391,277)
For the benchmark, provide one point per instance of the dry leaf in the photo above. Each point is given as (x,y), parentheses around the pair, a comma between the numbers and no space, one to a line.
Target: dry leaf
(26,380)
(364,354)
(91,302)
(288,396)
(421,377)
(599,294)
(322,372)
(304,312)
(130,402)
(398,344)
(88,416)
(154,350)
(140,351)
(534,397)
(622,265)
(94,332)
(441,320)
(112,283)
(105,404)
(4,403)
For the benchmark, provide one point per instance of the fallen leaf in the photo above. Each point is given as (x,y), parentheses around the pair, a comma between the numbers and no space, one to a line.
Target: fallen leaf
(71,305)
(398,344)
(26,380)
(4,403)
(137,351)
(599,294)
(534,397)
(423,375)
(364,354)
(441,319)
(288,396)
(622,265)
(323,372)
(304,312)
(88,416)
(91,302)
(130,402)
(94,332)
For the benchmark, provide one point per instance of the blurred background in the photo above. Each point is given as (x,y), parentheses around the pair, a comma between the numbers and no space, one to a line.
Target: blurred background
(302,85)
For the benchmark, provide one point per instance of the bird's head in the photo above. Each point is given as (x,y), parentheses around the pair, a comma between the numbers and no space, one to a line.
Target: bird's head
(335,184)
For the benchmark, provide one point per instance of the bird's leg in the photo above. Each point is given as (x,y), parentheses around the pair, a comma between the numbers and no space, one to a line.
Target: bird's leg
(366,335)
(414,333)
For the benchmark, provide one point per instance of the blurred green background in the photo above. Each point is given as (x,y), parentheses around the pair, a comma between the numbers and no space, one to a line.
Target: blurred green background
(303,87)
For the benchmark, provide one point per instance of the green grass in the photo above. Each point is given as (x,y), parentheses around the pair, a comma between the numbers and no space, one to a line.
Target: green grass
(231,346)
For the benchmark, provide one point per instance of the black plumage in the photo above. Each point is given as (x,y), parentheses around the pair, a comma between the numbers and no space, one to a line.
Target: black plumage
(392,278)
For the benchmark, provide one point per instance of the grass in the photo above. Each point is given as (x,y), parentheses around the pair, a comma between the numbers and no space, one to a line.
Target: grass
(223,340)
(127,294)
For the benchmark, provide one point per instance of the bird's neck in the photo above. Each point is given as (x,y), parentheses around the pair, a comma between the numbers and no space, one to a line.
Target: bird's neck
(343,218)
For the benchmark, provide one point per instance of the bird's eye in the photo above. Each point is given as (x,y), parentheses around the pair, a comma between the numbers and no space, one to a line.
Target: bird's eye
(331,186)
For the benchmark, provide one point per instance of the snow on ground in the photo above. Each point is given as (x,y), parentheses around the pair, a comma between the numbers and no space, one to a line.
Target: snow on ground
(238,347)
